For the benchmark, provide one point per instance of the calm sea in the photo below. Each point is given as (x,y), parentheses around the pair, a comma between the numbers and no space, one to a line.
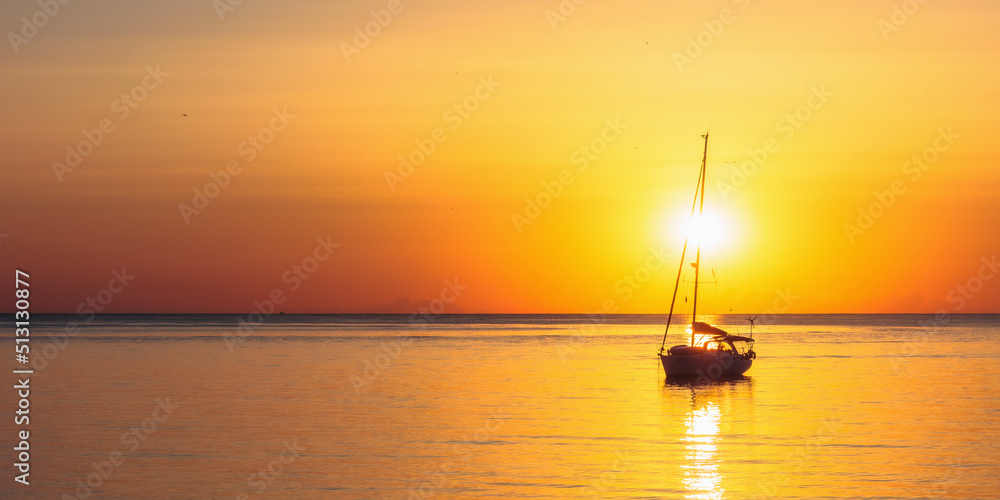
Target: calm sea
(496,407)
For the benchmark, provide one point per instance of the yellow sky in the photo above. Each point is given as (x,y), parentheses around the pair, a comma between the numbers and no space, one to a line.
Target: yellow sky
(843,94)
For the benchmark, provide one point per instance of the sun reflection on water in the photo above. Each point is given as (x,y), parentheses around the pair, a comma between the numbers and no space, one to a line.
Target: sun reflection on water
(701,467)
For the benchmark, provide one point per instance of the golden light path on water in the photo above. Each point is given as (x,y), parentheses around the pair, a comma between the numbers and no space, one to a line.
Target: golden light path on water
(701,467)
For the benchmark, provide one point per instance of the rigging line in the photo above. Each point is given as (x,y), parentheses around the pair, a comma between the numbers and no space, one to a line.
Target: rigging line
(720,299)
(680,271)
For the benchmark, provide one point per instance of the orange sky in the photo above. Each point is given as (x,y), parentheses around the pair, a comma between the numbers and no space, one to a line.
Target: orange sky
(878,96)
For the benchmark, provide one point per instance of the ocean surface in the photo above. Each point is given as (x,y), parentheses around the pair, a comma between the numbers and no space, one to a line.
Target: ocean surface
(505,407)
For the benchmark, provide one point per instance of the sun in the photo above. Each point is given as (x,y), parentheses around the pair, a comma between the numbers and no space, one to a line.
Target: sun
(709,230)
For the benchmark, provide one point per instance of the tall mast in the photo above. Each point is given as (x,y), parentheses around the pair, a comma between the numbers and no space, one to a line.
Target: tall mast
(694,204)
(697,260)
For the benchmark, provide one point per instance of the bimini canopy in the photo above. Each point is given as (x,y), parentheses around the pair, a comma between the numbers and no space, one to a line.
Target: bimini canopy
(707,329)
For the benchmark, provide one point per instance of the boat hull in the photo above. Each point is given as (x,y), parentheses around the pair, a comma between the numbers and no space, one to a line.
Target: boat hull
(705,364)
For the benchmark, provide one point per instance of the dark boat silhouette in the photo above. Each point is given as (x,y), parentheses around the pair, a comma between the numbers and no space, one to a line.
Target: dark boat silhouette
(717,354)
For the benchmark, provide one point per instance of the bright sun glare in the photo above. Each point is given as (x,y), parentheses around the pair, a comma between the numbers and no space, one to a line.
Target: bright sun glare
(710,230)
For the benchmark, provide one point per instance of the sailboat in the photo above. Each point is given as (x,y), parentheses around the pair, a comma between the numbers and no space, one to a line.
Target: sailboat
(717,353)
